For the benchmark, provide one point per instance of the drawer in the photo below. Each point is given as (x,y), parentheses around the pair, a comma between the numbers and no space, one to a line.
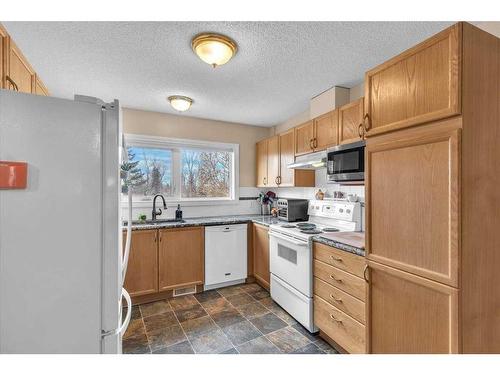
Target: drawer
(341,300)
(341,328)
(345,281)
(354,264)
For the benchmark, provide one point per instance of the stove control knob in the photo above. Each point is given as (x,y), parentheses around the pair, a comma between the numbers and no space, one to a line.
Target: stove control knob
(341,210)
(348,211)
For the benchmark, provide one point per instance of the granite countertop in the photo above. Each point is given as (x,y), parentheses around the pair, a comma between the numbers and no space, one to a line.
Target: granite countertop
(340,245)
(208,221)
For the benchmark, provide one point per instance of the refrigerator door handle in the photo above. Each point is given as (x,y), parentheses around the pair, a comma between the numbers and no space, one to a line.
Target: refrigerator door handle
(121,330)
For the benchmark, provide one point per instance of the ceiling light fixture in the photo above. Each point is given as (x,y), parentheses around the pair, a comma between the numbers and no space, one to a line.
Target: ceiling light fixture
(214,49)
(180,103)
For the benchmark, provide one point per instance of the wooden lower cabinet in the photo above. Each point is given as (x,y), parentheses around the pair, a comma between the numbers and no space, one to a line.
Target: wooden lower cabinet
(142,269)
(181,257)
(261,255)
(410,314)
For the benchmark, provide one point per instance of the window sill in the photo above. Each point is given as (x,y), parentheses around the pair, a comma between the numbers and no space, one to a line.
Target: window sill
(183,203)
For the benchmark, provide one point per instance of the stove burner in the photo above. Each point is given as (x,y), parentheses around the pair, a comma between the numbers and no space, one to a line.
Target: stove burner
(310,231)
(288,226)
(306,225)
(330,230)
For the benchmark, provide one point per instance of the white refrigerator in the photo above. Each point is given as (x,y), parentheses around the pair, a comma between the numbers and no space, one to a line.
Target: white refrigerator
(60,237)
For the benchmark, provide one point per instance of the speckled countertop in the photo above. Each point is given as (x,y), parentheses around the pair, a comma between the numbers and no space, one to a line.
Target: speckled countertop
(207,221)
(340,245)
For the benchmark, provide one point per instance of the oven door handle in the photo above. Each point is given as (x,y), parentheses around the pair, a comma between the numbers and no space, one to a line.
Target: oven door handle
(288,239)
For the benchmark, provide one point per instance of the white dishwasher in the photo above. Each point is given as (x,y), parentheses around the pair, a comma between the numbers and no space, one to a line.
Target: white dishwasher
(225,255)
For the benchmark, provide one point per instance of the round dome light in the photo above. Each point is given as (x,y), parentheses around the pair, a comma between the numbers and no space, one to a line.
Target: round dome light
(214,49)
(180,103)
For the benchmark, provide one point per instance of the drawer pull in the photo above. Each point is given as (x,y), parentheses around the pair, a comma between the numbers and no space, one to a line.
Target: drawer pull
(335,319)
(335,258)
(339,300)
(334,278)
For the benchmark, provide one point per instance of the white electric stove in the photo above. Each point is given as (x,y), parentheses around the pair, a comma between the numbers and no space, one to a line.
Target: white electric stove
(290,252)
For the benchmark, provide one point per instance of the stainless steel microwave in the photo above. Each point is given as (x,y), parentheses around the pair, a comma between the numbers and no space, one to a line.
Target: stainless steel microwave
(346,162)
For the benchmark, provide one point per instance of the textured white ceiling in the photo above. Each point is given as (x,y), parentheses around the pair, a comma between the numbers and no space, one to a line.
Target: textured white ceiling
(278,68)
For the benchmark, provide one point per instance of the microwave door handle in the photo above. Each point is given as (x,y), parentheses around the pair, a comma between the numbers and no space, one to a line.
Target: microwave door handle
(288,239)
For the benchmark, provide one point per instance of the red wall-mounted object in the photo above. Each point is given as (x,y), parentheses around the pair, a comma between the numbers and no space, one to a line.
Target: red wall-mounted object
(13,174)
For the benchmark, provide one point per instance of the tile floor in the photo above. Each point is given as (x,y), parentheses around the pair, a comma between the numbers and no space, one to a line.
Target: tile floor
(237,319)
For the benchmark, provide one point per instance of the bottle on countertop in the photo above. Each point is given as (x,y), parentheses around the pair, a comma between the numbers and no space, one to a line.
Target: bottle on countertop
(178,213)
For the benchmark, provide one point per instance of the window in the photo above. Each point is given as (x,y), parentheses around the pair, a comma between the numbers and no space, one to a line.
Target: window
(182,170)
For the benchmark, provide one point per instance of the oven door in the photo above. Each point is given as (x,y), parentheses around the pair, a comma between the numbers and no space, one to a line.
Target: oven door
(291,261)
(346,162)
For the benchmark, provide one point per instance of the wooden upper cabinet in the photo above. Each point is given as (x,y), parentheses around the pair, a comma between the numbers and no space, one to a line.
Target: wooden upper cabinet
(261,255)
(20,76)
(326,130)
(181,257)
(407,314)
(350,122)
(420,85)
(261,151)
(142,269)
(287,156)
(304,138)
(412,186)
(273,161)
(40,88)
(3,48)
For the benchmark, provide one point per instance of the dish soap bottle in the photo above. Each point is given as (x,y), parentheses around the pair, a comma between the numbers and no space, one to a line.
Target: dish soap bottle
(178,213)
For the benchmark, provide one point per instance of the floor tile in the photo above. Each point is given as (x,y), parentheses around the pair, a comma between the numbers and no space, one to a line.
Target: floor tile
(326,347)
(239,299)
(268,323)
(227,317)
(159,321)
(230,290)
(259,294)
(183,347)
(135,327)
(165,337)
(137,344)
(182,302)
(283,315)
(214,341)
(251,287)
(309,349)
(191,312)
(136,313)
(311,336)
(194,327)
(252,310)
(241,332)
(260,345)
(154,308)
(216,305)
(288,339)
(207,296)
(230,351)
(268,303)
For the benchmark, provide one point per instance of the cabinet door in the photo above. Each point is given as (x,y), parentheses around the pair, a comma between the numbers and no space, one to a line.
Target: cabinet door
(412,193)
(40,88)
(20,75)
(273,161)
(410,314)
(287,156)
(418,86)
(326,128)
(181,257)
(142,269)
(261,255)
(350,120)
(304,138)
(3,48)
(262,163)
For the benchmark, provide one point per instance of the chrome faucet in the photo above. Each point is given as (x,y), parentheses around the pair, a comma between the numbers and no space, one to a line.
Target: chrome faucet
(158,213)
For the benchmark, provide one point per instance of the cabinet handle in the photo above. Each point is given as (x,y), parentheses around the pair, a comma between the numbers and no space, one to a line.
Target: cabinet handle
(361,130)
(160,235)
(335,319)
(156,236)
(264,181)
(334,278)
(315,142)
(366,122)
(365,274)
(311,143)
(277,179)
(339,300)
(336,259)
(12,83)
